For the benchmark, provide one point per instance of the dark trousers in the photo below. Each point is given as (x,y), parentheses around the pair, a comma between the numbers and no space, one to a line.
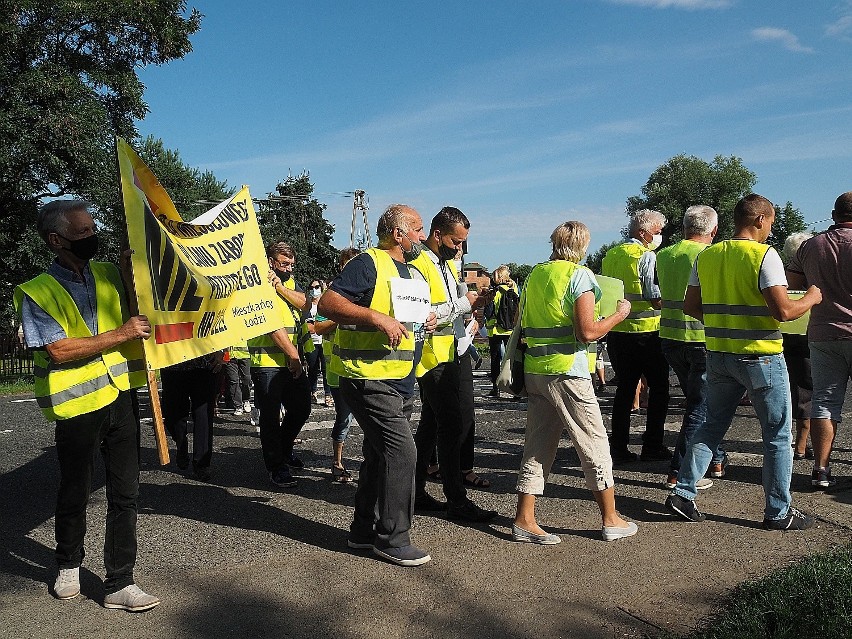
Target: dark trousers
(446,417)
(634,355)
(316,369)
(274,388)
(497,346)
(190,391)
(114,430)
(237,372)
(797,355)
(689,362)
(384,501)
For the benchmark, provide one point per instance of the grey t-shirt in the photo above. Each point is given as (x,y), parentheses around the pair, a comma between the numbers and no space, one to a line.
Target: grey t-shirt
(821,259)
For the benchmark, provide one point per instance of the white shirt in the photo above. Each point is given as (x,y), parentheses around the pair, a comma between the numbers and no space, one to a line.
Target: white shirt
(453,310)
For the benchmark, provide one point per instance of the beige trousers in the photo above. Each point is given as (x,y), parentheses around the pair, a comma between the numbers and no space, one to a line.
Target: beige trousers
(557,402)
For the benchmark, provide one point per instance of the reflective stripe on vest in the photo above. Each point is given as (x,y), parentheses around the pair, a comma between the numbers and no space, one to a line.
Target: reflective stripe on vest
(440,346)
(549,332)
(83,386)
(736,318)
(674,266)
(622,262)
(363,352)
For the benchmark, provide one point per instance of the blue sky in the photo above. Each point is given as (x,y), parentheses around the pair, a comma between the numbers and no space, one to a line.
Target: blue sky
(523,115)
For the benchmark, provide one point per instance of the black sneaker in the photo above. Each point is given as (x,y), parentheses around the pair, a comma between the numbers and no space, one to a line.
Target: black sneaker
(684,508)
(359,545)
(660,453)
(821,478)
(201,473)
(468,511)
(622,456)
(405,556)
(424,502)
(795,520)
(295,462)
(282,478)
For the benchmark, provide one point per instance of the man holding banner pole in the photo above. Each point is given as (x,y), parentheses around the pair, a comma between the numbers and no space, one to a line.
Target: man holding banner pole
(88,359)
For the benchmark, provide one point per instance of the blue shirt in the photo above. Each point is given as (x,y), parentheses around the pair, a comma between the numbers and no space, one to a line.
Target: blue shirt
(40,328)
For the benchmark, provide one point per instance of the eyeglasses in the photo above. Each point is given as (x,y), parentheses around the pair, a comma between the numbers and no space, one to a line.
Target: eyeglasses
(285,264)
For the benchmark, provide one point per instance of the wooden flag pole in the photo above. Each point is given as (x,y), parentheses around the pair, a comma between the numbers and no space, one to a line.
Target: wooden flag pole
(153,390)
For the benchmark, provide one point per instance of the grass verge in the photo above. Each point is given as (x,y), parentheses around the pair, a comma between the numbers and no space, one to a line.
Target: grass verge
(16,386)
(810,598)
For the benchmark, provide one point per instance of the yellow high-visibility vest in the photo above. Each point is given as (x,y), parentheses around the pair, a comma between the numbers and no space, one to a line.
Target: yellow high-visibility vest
(83,386)
(363,352)
(549,332)
(440,346)
(736,318)
(622,262)
(491,322)
(674,265)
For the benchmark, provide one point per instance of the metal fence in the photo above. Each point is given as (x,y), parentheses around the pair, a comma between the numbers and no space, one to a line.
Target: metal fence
(16,361)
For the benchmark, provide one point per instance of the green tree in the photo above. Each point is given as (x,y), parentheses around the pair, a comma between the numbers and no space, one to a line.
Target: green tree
(788,220)
(519,272)
(293,215)
(68,85)
(593,260)
(687,180)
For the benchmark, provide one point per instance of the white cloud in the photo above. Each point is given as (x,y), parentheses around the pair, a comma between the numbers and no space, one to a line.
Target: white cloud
(842,27)
(678,4)
(787,39)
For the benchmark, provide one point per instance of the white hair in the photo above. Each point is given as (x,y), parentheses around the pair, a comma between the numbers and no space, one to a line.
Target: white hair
(792,244)
(645,220)
(699,220)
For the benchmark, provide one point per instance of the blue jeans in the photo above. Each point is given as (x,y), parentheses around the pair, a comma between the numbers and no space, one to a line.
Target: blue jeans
(689,362)
(342,416)
(765,378)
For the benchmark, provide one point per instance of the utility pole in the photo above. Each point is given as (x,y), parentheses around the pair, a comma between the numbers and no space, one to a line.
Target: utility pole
(359,203)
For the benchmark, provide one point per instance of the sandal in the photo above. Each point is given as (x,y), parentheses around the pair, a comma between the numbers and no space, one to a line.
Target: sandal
(340,475)
(476,482)
(433,474)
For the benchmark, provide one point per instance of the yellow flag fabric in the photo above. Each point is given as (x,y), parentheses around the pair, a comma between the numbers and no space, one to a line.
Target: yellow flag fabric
(202,283)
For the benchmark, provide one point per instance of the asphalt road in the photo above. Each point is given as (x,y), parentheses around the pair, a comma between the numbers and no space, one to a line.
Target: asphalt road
(237,558)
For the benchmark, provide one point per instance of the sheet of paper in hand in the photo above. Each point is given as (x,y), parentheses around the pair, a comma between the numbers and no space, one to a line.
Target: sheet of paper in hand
(410,300)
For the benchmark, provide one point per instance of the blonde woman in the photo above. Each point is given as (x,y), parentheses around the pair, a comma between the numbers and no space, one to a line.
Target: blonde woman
(558,318)
(498,331)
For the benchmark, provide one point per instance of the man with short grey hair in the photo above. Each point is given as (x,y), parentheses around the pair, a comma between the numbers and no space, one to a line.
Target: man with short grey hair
(634,344)
(818,262)
(682,337)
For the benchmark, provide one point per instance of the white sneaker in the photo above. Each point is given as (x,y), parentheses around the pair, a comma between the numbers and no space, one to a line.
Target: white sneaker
(247,406)
(703,484)
(67,584)
(131,598)
(238,412)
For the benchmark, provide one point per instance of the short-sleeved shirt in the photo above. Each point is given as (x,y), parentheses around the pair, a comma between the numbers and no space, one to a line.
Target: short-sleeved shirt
(771,271)
(356,283)
(820,260)
(40,329)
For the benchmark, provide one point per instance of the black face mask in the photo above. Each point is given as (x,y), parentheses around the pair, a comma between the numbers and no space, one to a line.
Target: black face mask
(446,252)
(283,275)
(411,254)
(85,248)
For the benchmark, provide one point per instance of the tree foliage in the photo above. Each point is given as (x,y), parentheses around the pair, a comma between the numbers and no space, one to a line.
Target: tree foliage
(788,220)
(687,180)
(68,85)
(293,215)
(519,272)
(594,260)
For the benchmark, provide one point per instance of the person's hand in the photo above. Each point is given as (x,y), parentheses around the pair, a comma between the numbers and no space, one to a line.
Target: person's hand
(273,278)
(474,327)
(136,327)
(431,323)
(294,365)
(814,293)
(218,361)
(622,308)
(394,329)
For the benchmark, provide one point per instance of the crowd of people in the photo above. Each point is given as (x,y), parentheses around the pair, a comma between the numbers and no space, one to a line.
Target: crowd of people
(711,311)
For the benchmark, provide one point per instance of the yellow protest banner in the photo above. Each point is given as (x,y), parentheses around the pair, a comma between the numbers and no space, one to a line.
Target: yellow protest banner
(202,283)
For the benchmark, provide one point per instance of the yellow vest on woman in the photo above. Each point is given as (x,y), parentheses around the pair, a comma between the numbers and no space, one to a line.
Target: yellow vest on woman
(622,262)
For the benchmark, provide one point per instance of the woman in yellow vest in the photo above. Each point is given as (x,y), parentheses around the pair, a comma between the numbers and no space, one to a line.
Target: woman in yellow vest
(558,319)
(498,336)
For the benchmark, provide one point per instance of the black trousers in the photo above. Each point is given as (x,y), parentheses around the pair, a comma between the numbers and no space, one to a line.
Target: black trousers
(634,355)
(114,430)
(446,418)
(384,501)
(190,391)
(237,372)
(274,388)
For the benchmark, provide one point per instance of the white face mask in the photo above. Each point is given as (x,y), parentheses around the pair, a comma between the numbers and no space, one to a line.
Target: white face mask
(656,240)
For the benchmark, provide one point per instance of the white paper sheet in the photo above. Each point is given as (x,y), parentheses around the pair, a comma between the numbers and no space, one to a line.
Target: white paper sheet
(410,300)
(467,340)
